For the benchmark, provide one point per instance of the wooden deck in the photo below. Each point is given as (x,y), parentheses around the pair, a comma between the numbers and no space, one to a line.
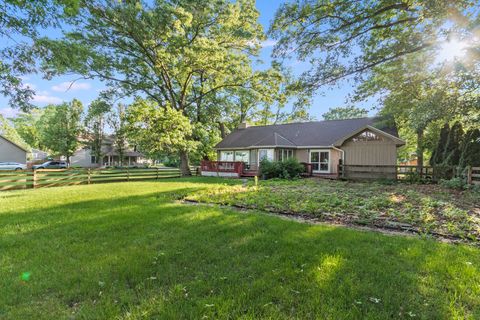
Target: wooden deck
(332,176)
(250,173)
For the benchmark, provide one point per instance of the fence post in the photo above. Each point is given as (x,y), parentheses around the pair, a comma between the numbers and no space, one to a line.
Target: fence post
(88,176)
(469,175)
(396,173)
(158,169)
(128,174)
(34,179)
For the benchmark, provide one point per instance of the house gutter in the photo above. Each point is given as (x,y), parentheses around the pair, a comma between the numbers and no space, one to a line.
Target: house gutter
(343,153)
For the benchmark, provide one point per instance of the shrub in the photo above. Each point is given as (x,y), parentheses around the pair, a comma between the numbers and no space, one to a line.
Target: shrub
(455,183)
(288,169)
(171,162)
(414,177)
(291,168)
(269,169)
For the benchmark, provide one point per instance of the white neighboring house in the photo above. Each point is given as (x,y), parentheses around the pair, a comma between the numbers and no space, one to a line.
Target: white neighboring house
(85,158)
(12,152)
(38,155)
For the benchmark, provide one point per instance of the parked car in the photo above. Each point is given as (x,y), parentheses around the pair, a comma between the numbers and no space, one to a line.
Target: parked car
(12,166)
(51,165)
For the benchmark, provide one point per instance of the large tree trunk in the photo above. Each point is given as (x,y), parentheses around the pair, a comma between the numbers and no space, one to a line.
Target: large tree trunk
(420,151)
(184,164)
(222,130)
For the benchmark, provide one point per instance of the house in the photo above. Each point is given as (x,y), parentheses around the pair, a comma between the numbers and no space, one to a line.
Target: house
(84,156)
(320,145)
(12,152)
(38,155)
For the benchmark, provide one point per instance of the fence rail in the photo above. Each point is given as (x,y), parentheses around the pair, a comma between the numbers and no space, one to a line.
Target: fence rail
(472,174)
(42,178)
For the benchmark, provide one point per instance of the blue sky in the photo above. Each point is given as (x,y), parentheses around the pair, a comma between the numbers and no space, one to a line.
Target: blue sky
(61,88)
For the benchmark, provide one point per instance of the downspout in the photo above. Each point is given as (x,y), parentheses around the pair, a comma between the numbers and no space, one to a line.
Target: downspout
(343,156)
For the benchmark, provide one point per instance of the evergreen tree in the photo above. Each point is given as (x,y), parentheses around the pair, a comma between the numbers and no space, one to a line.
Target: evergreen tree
(470,149)
(451,153)
(437,154)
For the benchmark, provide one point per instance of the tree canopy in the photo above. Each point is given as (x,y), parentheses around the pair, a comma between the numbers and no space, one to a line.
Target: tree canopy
(20,22)
(61,128)
(183,55)
(9,132)
(349,38)
(393,50)
(350,112)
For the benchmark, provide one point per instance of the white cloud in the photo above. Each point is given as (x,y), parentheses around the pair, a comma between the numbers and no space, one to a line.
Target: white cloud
(65,86)
(30,86)
(46,98)
(8,112)
(268,43)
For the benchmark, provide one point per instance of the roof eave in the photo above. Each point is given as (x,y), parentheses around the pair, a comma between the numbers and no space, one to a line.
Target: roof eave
(16,145)
(397,140)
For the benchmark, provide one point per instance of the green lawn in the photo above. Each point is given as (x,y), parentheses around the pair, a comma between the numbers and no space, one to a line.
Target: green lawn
(427,209)
(131,251)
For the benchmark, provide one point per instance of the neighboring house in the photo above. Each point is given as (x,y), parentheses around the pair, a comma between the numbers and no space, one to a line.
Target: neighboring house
(38,155)
(84,157)
(12,152)
(321,145)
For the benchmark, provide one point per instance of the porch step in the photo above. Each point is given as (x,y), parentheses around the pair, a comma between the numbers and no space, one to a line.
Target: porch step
(249,173)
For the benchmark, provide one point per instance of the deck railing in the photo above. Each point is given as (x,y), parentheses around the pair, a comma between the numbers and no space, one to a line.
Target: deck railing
(308,169)
(222,166)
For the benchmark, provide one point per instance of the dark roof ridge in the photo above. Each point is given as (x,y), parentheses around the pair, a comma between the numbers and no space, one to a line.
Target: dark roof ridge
(278,134)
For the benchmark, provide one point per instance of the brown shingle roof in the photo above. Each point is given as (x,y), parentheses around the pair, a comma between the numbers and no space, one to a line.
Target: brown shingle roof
(303,134)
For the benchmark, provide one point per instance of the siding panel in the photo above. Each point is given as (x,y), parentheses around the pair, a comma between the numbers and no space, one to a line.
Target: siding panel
(11,153)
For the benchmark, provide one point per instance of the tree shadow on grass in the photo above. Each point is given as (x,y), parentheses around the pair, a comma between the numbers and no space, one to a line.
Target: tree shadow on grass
(145,256)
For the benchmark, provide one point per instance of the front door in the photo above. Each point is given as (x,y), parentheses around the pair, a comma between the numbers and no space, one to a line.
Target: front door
(320,161)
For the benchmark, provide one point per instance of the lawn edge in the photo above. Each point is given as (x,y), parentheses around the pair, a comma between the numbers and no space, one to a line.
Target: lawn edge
(308,219)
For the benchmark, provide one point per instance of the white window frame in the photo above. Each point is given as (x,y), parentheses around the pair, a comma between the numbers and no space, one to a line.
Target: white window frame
(269,152)
(319,163)
(248,156)
(284,154)
(225,151)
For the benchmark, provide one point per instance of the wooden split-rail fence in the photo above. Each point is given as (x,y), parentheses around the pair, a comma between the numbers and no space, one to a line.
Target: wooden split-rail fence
(24,179)
(471,174)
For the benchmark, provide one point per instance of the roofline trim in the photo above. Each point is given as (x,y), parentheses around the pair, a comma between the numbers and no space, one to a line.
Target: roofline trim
(279,146)
(397,140)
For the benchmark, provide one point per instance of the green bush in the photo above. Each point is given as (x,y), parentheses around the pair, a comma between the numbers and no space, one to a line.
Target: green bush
(171,162)
(455,183)
(414,177)
(288,169)
(269,169)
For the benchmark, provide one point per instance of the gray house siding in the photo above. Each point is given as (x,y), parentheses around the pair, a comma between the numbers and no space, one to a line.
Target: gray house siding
(82,158)
(10,152)
(370,153)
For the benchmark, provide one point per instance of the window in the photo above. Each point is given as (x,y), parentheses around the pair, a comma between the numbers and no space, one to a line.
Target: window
(265,154)
(243,156)
(226,155)
(320,161)
(284,154)
(366,136)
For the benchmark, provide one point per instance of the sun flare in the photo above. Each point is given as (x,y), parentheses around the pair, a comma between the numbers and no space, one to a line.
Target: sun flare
(451,50)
